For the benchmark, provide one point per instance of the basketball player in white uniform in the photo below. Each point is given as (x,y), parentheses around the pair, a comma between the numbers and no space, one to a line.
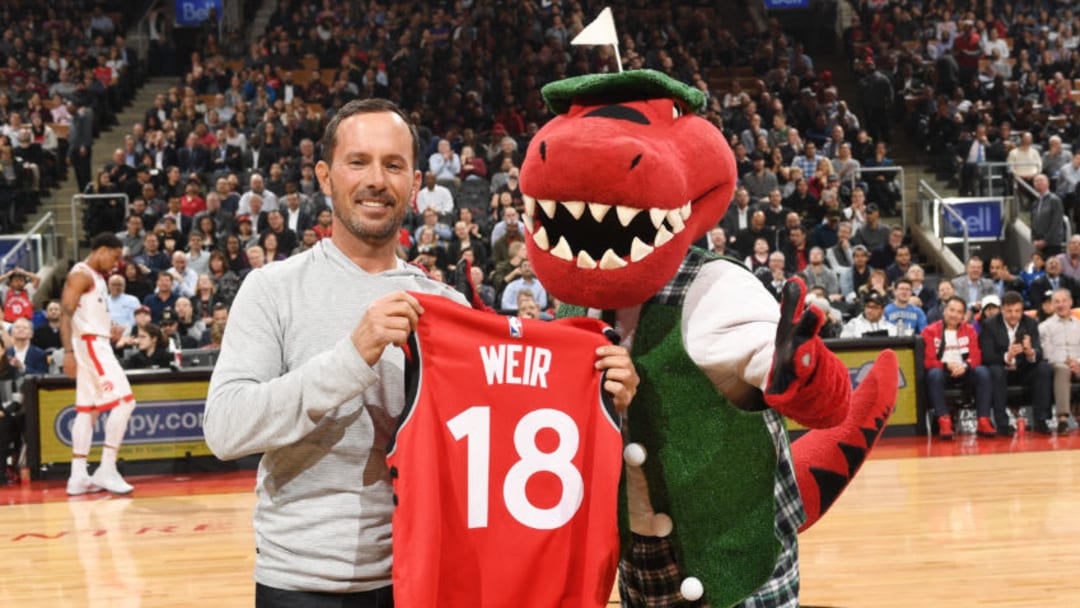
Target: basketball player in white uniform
(100,383)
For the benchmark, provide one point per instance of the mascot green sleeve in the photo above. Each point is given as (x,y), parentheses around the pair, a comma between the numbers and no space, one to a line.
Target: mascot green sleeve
(617,187)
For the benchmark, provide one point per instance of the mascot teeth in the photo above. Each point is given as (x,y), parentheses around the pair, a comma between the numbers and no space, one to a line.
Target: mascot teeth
(584,260)
(662,236)
(638,250)
(562,250)
(528,221)
(598,211)
(548,207)
(530,205)
(626,214)
(685,211)
(657,216)
(610,261)
(576,208)
(675,220)
(540,237)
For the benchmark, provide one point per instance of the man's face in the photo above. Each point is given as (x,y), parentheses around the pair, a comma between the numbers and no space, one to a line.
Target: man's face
(371,179)
(903,256)
(945,290)
(902,293)
(776,263)
(873,311)
(757,221)
(52,311)
(716,237)
(742,198)
(774,198)
(816,257)
(1074,245)
(860,258)
(953,314)
(974,269)
(179,261)
(164,283)
(22,330)
(1053,267)
(1062,302)
(276,221)
(116,285)
(1012,313)
(896,239)
(529,309)
(183,308)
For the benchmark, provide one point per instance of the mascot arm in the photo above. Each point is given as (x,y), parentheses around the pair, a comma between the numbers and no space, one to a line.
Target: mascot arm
(807,382)
(729,328)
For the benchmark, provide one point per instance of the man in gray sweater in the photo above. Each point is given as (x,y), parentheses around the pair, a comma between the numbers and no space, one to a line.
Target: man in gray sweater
(305,376)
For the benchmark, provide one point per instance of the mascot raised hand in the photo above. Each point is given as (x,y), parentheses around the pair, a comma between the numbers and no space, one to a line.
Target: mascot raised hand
(617,187)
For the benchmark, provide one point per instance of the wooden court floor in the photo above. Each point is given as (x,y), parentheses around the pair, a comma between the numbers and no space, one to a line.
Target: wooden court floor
(995,524)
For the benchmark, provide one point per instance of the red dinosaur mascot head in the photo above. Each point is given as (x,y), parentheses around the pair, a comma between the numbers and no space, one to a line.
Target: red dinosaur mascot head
(620,184)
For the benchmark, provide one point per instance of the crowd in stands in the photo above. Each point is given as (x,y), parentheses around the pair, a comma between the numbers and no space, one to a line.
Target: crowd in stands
(220,171)
(65,71)
(221,168)
(981,82)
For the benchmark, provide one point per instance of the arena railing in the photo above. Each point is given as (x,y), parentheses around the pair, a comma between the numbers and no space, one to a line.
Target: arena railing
(36,247)
(931,205)
(899,177)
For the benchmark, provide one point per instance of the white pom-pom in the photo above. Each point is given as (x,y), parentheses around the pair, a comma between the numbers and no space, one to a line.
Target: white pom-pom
(634,454)
(691,589)
(662,524)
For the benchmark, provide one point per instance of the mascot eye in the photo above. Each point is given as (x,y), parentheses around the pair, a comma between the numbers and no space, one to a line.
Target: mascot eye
(676,111)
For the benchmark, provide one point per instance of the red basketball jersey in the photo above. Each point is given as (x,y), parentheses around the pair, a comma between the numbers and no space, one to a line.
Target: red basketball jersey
(506,464)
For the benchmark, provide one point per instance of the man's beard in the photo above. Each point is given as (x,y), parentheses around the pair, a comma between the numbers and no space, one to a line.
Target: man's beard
(356,227)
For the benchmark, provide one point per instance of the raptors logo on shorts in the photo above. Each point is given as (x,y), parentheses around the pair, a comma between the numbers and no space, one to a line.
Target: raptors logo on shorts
(505,464)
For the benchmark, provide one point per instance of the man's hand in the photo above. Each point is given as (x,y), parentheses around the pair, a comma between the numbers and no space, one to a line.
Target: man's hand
(622,378)
(387,321)
(70,366)
(1074,366)
(957,369)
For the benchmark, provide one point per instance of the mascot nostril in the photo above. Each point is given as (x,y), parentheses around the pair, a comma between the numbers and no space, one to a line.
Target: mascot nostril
(716,355)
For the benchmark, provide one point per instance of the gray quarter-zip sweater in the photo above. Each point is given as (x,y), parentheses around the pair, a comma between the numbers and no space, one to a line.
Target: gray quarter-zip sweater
(290,384)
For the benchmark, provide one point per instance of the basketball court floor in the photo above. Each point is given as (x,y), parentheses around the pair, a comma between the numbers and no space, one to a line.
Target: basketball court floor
(989,522)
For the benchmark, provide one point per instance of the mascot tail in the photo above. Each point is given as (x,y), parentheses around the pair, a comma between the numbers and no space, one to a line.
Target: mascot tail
(826,460)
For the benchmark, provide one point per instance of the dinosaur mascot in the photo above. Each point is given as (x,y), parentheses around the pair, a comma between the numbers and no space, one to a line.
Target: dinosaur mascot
(617,187)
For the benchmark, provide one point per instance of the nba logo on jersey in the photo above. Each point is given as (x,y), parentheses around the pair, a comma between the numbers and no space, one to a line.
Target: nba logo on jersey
(515,327)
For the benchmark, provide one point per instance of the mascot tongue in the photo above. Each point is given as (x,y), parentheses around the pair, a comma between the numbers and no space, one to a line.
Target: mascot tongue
(620,184)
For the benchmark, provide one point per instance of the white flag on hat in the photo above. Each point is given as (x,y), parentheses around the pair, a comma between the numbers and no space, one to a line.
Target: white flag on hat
(601,31)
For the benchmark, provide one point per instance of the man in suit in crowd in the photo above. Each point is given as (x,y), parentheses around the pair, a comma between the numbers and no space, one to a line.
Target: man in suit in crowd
(1003,279)
(972,286)
(1053,279)
(1012,350)
(1047,219)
